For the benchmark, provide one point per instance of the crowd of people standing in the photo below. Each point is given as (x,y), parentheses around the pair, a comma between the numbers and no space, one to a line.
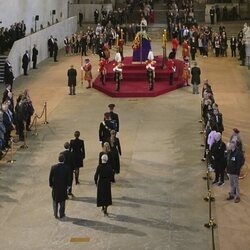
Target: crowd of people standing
(9,35)
(221,158)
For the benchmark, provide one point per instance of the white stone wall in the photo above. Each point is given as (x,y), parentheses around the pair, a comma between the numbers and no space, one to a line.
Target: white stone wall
(12,11)
(40,38)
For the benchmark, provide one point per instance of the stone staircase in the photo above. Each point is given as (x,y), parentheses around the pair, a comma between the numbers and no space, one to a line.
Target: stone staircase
(2,62)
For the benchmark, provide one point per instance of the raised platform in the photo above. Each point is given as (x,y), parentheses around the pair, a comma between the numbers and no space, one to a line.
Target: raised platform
(135,84)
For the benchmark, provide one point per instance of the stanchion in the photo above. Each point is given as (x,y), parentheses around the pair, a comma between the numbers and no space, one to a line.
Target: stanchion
(11,152)
(209,197)
(45,113)
(35,124)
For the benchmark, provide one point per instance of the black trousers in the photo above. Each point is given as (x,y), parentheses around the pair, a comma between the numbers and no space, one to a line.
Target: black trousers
(34,63)
(72,90)
(171,78)
(61,206)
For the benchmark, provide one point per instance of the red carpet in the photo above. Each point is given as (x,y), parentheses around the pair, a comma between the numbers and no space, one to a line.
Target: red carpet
(135,84)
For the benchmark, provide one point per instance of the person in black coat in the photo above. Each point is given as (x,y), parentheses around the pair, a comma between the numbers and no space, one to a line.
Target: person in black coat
(25,61)
(116,151)
(105,128)
(77,147)
(59,182)
(114,117)
(55,50)
(195,81)
(103,177)
(8,74)
(51,46)
(72,73)
(34,56)
(69,161)
(218,118)
(218,159)
(106,150)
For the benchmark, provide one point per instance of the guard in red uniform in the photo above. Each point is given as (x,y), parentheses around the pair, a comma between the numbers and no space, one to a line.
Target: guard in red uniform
(171,68)
(88,73)
(102,70)
(185,50)
(175,44)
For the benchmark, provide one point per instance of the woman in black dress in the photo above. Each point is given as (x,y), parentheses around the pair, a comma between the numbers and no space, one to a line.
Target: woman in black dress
(116,151)
(103,176)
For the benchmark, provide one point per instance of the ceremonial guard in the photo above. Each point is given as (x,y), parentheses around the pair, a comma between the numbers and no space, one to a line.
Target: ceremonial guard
(171,68)
(186,75)
(102,70)
(150,73)
(88,73)
(118,75)
(185,49)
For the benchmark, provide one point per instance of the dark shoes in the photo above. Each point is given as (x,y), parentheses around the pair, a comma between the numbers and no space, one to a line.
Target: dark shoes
(237,200)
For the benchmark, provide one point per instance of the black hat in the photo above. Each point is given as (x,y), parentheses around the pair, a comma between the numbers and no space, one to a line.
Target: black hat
(111,105)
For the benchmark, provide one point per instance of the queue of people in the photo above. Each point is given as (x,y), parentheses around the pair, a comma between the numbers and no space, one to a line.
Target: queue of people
(14,117)
(221,158)
(72,159)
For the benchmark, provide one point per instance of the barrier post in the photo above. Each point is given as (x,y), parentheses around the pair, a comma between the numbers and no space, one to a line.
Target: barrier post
(45,113)
(11,151)
(35,124)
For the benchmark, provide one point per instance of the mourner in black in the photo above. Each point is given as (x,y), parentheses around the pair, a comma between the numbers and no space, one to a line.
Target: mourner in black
(34,56)
(55,50)
(72,73)
(25,61)
(105,128)
(51,46)
(59,182)
(103,177)
(8,74)
(69,161)
(77,147)
(114,117)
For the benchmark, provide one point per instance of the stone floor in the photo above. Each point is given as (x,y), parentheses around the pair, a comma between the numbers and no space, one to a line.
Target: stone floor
(158,197)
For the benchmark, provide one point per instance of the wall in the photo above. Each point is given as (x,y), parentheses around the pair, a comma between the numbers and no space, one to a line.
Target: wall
(40,38)
(87,10)
(16,10)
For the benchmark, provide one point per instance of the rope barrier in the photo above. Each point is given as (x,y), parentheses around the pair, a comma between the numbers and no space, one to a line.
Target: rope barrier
(34,123)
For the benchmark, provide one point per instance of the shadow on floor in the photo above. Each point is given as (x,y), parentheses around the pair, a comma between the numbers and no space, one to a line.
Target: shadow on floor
(103,226)
(92,200)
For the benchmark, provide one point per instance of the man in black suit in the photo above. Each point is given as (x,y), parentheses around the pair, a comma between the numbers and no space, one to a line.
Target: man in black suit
(69,161)
(34,56)
(218,120)
(59,182)
(195,81)
(51,46)
(72,73)
(25,61)
(105,129)
(114,117)
(55,49)
(77,147)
